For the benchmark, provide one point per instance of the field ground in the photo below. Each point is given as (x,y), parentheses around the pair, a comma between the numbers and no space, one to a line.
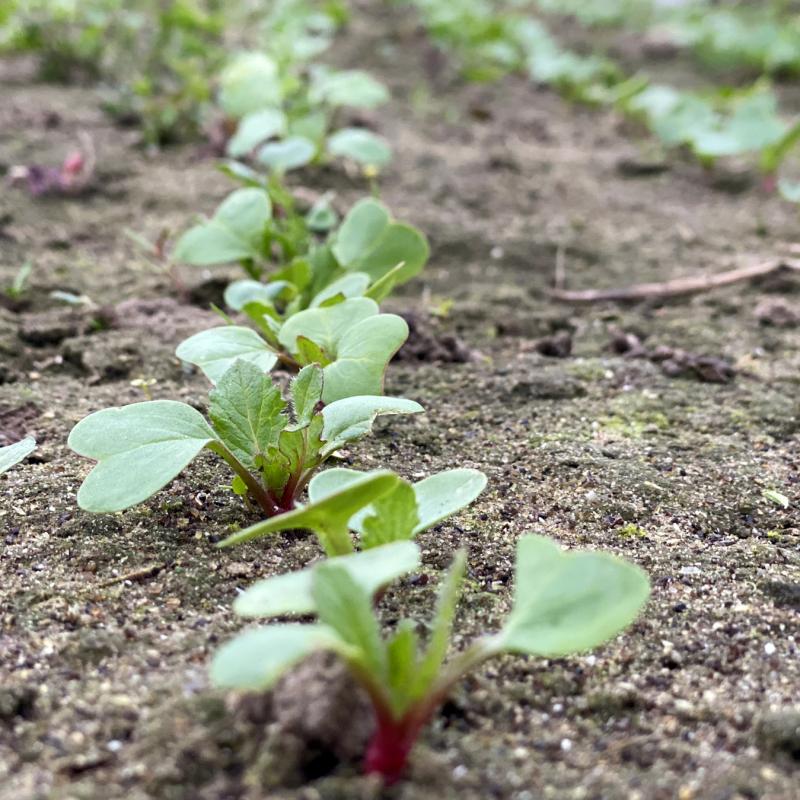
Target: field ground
(104,692)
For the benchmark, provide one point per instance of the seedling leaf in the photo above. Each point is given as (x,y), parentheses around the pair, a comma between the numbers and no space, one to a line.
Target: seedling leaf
(139,449)
(247,412)
(327,518)
(235,231)
(257,658)
(352,417)
(288,154)
(569,602)
(14,453)
(306,394)
(256,128)
(361,146)
(217,349)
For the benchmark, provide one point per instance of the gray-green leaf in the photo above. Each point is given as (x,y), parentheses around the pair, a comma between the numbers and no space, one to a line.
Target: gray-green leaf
(368,240)
(288,154)
(217,349)
(14,453)
(306,394)
(247,412)
(361,146)
(256,128)
(353,417)
(235,232)
(257,658)
(569,602)
(139,449)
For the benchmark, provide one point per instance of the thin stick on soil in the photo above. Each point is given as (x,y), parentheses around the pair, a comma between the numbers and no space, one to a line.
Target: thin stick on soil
(678,287)
(135,575)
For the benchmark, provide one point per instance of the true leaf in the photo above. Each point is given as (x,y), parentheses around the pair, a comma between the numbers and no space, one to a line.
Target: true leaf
(139,449)
(235,231)
(291,593)
(217,349)
(257,658)
(306,394)
(14,453)
(247,412)
(354,284)
(569,602)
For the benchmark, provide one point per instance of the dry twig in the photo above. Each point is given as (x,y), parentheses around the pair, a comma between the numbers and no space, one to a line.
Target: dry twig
(677,287)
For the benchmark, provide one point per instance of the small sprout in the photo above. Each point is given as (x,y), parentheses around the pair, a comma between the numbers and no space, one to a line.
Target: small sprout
(776,497)
(141,447)
(19,284)
(564,603)
(12,454)
(144,384)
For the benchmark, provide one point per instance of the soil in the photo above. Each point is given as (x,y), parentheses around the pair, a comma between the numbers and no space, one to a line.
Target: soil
(104,692)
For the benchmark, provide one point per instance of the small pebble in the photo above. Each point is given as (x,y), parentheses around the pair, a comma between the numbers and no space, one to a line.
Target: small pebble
(769,648)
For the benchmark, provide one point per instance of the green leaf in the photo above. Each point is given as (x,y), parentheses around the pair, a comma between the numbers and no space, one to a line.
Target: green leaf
(257,658)
(308,352)
(251,82)
(306,394)
(14,453)
(256,128)
(432,661)
(392,518)
(247,412)
(437,497)
(139,449)
(352,417)
(769,494)
(239,293)
(327,518)
(291,593)
(322,217)
(369,241)
(345,607)
(354,284)
(361,146)
(353,88)
(235,232)
(288,154)
(567,603)
(217,349)
(356,340)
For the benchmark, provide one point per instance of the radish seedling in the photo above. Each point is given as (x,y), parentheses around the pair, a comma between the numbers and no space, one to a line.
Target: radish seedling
(14,453)
(351,341)
(564,603)
(141,447)
(379,506)
(369,254)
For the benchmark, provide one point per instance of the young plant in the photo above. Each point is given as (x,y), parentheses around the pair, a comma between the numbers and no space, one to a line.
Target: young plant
(564,603)
(379,506)
(350,340)
(369,254)
(287,115)
(12,454)
(273,449)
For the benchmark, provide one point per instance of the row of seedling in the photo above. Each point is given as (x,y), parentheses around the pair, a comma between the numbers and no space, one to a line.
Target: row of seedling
(709,125)
(309,304)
